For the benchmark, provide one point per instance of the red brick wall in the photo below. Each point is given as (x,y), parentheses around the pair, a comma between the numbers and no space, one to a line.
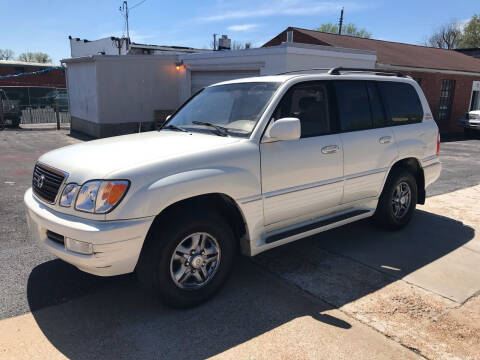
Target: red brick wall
(431,84)
(52,78)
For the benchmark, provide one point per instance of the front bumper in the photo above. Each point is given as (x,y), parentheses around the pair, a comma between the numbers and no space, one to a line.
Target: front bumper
(471,124)
(116,244)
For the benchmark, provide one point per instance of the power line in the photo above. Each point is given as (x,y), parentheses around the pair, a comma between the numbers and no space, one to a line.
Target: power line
(137,4)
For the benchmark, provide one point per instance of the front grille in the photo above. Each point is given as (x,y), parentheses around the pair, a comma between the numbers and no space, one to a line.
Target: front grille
(56,237)
(46,182)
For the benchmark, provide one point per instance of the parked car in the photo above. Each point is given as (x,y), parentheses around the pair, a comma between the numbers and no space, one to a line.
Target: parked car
(10,113)
(471,122)
(247,165)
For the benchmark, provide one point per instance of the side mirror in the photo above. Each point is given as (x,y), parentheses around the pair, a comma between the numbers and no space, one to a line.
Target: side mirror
(282,130)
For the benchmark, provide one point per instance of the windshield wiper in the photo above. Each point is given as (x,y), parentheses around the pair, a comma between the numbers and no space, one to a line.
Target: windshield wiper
(174,127)
(221,131)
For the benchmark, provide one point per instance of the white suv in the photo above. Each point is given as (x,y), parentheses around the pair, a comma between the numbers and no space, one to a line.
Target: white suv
(244,165)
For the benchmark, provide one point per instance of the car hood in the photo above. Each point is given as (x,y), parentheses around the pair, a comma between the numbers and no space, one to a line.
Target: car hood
(96,159)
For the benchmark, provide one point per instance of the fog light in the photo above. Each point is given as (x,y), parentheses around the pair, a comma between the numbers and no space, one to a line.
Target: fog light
(78,246)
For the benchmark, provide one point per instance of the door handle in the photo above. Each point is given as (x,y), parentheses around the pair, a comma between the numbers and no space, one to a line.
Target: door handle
(330,149)
(385,140)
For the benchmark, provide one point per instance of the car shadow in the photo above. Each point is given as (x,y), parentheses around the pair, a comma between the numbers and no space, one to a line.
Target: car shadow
(120,320)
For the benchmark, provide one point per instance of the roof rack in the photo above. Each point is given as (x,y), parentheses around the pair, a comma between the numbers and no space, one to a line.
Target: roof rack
(339,70)
(301,70)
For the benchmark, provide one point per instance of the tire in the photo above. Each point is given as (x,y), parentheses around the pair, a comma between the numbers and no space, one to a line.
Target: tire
(16,123)
(467,132)
(163,256)
(387,215)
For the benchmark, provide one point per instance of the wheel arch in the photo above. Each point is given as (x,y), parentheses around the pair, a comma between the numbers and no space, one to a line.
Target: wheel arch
(413,165)
(226,206)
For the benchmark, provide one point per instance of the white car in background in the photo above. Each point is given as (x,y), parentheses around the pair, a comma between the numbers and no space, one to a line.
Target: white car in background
(471,122)
(244,165)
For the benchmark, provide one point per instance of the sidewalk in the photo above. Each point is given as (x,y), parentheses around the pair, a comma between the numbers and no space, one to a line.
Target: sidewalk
(43,126)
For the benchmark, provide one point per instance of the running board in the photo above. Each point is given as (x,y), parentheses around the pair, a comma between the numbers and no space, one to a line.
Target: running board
(285,234)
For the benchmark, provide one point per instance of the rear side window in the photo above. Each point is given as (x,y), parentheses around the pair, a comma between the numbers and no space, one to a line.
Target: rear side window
(401,102)
(353,105)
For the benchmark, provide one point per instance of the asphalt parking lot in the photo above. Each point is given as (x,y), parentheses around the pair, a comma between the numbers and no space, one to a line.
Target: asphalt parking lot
(354,290)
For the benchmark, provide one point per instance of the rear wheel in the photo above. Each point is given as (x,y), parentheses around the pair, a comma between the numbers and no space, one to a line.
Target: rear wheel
(397,201)
(187,257)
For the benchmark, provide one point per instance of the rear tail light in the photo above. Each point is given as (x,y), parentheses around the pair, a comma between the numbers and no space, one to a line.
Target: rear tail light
(438,143)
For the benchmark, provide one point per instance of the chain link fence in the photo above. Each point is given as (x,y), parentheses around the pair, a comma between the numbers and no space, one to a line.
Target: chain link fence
(33,105)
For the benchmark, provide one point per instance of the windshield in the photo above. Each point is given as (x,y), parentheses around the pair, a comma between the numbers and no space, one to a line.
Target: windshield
(232,108)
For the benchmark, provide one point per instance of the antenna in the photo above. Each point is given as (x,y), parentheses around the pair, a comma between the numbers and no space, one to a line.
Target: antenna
(340,23)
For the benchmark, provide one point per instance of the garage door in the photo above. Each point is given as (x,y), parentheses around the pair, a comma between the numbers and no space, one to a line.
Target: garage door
(200,79)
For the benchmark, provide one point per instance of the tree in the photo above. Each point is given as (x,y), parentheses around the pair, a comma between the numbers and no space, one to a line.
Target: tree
(35,57)
(237,45)
(447,36)
(471,33)
(6,54)
(347,29)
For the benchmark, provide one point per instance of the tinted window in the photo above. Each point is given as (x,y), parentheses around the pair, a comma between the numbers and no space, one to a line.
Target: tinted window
(402,102)
(309,103)
(378,113)
(353,106)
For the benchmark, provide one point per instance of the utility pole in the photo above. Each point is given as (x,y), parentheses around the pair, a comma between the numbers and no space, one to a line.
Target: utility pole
(340,23)
(125,10)
(215,42)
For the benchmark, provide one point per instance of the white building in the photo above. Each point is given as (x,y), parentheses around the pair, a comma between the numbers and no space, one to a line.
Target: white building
(121,46)
(111,95)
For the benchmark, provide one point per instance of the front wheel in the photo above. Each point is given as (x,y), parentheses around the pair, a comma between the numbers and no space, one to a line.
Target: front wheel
(397,201)
(187,258)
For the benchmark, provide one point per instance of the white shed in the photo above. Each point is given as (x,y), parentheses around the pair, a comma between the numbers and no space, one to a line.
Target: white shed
(113,95)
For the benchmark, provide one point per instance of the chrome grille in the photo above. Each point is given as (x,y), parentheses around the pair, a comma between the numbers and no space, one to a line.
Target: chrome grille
(46,182)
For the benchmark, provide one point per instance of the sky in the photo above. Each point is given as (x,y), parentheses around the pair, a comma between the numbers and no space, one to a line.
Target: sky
(44,25)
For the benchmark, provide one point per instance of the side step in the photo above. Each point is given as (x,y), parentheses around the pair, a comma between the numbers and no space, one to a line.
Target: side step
(285,234)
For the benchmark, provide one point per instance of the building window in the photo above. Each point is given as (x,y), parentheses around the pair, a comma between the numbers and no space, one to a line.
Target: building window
(446,99)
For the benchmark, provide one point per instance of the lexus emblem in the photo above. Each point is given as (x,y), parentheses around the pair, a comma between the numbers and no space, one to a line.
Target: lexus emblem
(40,181)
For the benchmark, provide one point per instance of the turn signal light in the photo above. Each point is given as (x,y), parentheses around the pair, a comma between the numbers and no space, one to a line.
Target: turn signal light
(438,143)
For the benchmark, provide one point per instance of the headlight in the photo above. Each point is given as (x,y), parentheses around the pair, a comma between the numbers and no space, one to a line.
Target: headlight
(69,194)
(100,196)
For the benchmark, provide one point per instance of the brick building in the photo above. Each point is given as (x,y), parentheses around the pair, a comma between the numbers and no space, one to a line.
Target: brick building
(30,90)
(448,78)
(52,78)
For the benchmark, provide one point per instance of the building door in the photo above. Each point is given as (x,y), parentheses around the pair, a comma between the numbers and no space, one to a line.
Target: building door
(201,79)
